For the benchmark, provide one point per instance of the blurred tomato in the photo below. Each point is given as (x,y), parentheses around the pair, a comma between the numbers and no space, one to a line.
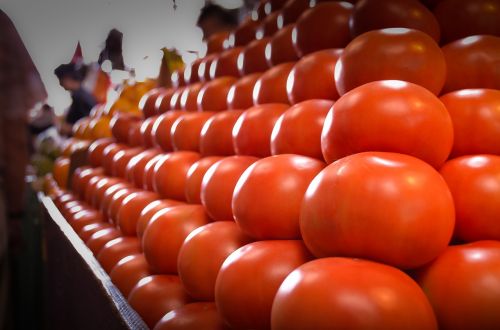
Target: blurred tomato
(150,210)
(469,298)
(195,176)
(175,101)
(96,149)
(298,130)
(191,72)
(91,187)
(257,270)
(130,210)
(117,202)
(271,86)
(149,172)
(252,131)
(121,159)
(198,315)
(244,33)
(108,154)
(407,222)
(388,115)
(268,26)
(128,272)
(61,171)
(117,249)
(161,130)
(213,95)
(318,66)
(216,135)
(217,42)
(166,232)
(99,238)
(253,58)
(197,270)
(163,101)
(177,78)
(121,124)
(189,97)
(90,229)
(100,188)
(292,10)
(280,48)
(83,180)
(146,131)
(148,102)
(395,53)
(136,167)
(83,218)
(341,293)
(185,131)
(240,94)
(204,67)
(135,135)
(225,64)
(76,178)
(108,196)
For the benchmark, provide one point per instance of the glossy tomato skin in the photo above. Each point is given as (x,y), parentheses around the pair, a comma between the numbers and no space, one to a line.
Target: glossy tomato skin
(252,131)
(107,198)
(216,134)
(198,315)
(78,173)
(324,26)
(163,101)
(96,149)
(292,10)
(226,64)
(116,203)
(90,229)
(120,161)
(240,95)
(161,130)
(474,182)
(318,66)
(150,210)
(257,270)
(131,208)
(185,132)
(462,18)
(280,48)
(204,68)
(195,176)
(342,293)
(121,124)
(472,62)
(394,53)
(197,270)
(371,15)
(156,295)
(253,58)
(463,287)
(115,250)
(134,135)
(98,239)
(189,97)
(137,165)
(267,197)
(149,172)
(101,187)
(109,152)
(298,130)
(271,86)
(213,95)
(218,185)
(128,272)
(146,131)
(166,232)
(389,115)
(215,43)
(410,203)
(244,33)
(177,78)
(476,121)
(83,218)
(269,26)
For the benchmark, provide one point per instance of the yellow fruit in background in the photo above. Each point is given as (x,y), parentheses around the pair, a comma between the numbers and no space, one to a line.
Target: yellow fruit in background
(61,171)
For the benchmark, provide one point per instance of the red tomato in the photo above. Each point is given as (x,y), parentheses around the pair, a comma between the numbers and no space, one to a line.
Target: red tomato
(216,135)
(198,315)
(71,208)
(175,101)
(83,180)
(90,188)
(292,10)
(476,121)
(150,210)
(108,154)
(191,72)
(90,229)
(177,78)
(99,238)
(128,272)
(253,58)
(100,189)
(269,26)
(136,166)
(204,68)
(163,101)
(474,182)
(96,149)
(218,185)
(388,115)
(83,218)
(463,18)
(121,159)
(346,293)
(240,94)
(252,131)
(130,210)
(135,135)
(117,202)
(257,270)
(185,131)
(166,232)
(216,42)
(244,33)
(472,63)
(324,26)
(149,172)
(76,178)
(298,130)
(146,131)
(271,86)
(371,15)
(121,124)
(197,270)
(318,66)
(407,218)
(148,102)
(267,198)
(117,249)
(161,130)
(195,176)
(386,55)
(280,48)
(156,295)
(108,196)
(189,97)
(170,173)
(226,64)
(213,95)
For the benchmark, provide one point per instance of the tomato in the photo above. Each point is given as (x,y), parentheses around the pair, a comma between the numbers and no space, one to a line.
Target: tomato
(198,270)
(371,15)
(474,182)
(163,101)
(83,180)
(213,95)
(318,66)
(150,210)
(218,185)
(108,196)
(130,210)
(166,232)
(95,152)
(386,55)
(253,58)
(198,315)
(388,115)
(195,176)
(177,78)
(269,26)
(298,130)
(121,159)
(271,86)
(91,228)
(341,293)
(146,131)
(175,101)
(69,209)
(226,64)
(185,131)
(121,124)
(256,270)
(191,72)
(407,218)
(204,68)
(280,48)
(216,42)
(189,96)
(136,167)
(100,188)
(90,188)
(240,94)
(216,135)
(99,238)
(170,173)
(117,202)
(472,62)
(149,172)
(476,121)
(83,218)
(244,33)
(148,102)
(61,171)
(252,131)
(324,26)
(76,178)
(463,18)
(128,272)
(117,249)
(135,135)
(292,10)
(108,154)
(162,127)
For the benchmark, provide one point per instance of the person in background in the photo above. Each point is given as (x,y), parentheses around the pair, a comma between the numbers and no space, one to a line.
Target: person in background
(70,78)
(113,50)
(213,19)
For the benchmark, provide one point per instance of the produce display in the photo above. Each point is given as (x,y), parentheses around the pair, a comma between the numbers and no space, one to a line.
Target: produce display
(327,165)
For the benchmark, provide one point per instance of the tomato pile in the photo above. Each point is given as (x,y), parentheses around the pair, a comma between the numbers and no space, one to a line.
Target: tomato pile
(329,167)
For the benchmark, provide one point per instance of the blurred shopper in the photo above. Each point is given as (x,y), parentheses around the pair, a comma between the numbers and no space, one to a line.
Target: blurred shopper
(113,51)
(213,19)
